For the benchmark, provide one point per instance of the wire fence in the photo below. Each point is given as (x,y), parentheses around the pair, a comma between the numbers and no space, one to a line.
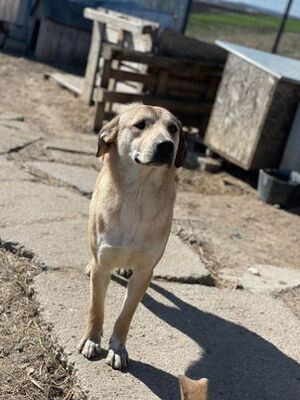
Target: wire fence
(252,23)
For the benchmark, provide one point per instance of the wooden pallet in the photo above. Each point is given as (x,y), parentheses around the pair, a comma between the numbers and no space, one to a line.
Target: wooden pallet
(184,87)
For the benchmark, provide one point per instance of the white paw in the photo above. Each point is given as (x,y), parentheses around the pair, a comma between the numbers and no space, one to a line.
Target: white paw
(89,348)
(117,356)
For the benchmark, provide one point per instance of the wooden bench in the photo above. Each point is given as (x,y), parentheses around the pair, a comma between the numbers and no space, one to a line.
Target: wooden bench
(184,87)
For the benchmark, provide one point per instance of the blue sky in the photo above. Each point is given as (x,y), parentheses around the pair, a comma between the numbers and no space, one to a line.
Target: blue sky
(275,5)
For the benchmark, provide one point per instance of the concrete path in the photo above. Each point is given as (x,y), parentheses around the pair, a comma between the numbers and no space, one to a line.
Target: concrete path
(248,347)
(246,344)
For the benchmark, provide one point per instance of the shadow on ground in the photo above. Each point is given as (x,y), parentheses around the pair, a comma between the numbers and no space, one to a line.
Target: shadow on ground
(238,363)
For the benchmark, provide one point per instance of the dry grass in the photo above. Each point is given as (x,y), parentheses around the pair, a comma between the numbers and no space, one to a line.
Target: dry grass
(30,366)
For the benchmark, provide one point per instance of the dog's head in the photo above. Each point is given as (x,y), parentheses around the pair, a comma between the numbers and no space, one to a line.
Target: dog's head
(144,135)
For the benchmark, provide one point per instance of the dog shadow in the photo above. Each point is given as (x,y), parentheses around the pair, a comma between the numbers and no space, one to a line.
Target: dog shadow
(238,363)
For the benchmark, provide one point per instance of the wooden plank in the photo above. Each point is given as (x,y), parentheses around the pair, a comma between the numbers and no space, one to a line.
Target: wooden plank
(93,62)
(101,107)
(99,116)
(187,85)
(162,81)
(183,66)
(183,105)
(150,80)
(122,21)
(120,75)
(71,82)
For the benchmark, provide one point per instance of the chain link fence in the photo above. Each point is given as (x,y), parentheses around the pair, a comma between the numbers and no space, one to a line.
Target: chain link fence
(252,23)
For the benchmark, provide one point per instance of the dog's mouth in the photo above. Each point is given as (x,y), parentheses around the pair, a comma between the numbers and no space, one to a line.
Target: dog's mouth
(152,163)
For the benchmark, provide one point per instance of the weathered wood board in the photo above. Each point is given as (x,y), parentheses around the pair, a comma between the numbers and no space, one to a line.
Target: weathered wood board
(252,115)
(71,82)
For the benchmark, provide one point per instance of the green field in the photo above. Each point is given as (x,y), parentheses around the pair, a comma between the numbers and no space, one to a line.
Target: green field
(262,23)
(256,31)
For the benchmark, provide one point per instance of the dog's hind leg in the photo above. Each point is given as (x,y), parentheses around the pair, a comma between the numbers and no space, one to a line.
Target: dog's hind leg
(117,356)
(89,346)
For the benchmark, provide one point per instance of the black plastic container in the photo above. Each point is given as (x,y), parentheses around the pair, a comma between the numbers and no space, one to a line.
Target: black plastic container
(277,186)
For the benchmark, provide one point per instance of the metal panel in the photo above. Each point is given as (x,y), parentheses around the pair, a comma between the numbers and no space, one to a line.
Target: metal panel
(9,11)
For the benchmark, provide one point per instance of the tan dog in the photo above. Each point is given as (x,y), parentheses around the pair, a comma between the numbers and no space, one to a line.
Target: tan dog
(130,214)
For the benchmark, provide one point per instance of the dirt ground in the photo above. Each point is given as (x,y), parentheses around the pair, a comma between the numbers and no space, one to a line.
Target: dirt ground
(29,362)
(218,213)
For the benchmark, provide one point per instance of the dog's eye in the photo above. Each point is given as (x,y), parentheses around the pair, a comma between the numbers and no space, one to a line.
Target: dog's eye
(172,128)
(140,125)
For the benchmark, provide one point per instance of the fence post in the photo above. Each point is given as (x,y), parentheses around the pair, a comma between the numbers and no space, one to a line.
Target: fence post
(282,25)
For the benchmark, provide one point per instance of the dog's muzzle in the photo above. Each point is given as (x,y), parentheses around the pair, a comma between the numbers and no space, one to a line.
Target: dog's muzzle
(163,153)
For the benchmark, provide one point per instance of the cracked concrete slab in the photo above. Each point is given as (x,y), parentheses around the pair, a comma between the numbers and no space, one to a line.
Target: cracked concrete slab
(54,227)
(180,263)
(203,332)
(16,134)
(9,171)
(86,144)
(263,278)
(58,244)
(32,202)
(85,160)
(81,178)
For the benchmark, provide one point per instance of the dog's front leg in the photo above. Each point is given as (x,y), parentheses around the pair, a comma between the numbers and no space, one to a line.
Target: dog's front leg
(89,346)
(117,356)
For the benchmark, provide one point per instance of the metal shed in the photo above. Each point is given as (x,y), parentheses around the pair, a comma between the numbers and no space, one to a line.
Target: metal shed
(57,30)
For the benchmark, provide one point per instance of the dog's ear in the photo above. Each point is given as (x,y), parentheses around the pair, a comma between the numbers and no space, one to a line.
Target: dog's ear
(107,136)
(181,151)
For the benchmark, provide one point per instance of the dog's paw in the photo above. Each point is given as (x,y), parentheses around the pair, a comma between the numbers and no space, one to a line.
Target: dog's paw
(89,348)
(126,273)
(117,356)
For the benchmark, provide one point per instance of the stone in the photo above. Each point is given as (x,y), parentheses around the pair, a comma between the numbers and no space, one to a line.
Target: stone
(253,271)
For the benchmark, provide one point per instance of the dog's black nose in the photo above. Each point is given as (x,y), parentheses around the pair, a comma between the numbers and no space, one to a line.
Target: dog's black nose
(164,152)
